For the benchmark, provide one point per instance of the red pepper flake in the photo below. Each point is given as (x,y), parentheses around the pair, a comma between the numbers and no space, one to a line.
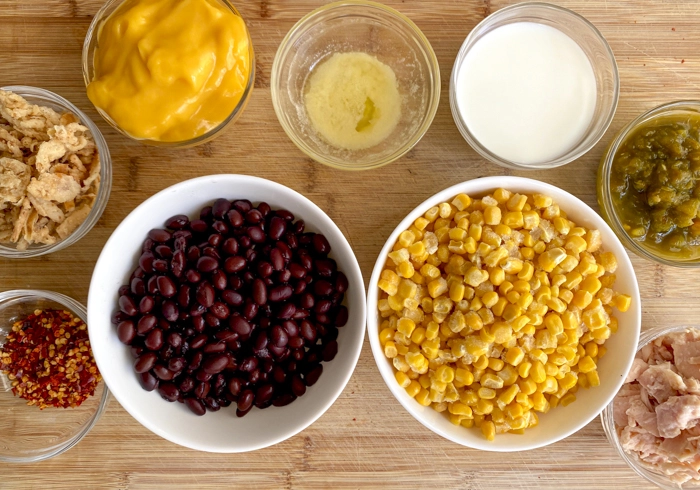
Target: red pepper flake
(673,29)
(48,359)
(682,61)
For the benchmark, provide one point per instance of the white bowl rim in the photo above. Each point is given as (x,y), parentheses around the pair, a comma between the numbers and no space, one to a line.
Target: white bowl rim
(479,187)
(241,180)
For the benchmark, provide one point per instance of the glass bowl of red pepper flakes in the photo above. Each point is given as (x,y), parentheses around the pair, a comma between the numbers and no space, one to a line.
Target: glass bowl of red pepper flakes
(51,393)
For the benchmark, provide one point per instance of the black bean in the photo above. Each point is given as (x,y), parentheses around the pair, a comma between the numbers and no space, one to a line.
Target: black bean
(168,391)
(177,222)
(259,292)
(234,264)
(195,406)
(146,324)
(126,331)
(154,339)
(145,362)
(148,381)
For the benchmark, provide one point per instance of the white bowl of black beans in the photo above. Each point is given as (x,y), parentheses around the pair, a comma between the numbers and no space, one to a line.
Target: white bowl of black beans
(227,313)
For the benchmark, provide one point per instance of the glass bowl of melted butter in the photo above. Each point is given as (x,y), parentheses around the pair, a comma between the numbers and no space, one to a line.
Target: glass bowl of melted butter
(169,72)
(355,84)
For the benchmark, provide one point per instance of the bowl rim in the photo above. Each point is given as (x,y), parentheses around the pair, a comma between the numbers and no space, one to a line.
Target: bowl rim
(484,185)
(88,72)
(462,125)
(610,427)
(79,310)
(605,168)
(105,174)
(240,180)
(426,47)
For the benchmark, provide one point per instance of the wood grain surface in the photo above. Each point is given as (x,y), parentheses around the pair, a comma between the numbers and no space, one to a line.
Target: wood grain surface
(366,440)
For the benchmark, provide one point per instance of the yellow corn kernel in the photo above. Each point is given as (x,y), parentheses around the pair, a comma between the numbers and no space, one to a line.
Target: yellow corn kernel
(586,364)
(418,336)
(527,253)
(601,334)
(399,256)
(593,378)
(567,399)
(457,234)
(492,381)
(430,348)
(514,219)
(531,220)
(459,408)
(416,361)
(538,355)
(595,319)
(514,356)
(385,335)
(437,287)
(567,351)
(539,402)
(489,299)
(475,231)
(446,211)
(622,302)
(554,323)
(568,381)
(492,215)
(421,223)
(390,349)
(388,287)
(407,288)
(541,201)
(527,386)
(539,247)
(432,214)
(417,249)
(464,376)
(591,284)
(467,423)
(482,362)
(457,290)
(406,326)
(495,364)
(497,276)
(526,272)
(582,298)
(601,351)
(592,349)
(402,379)
(405,269)
(423,397)
(475,276)
(551,258)
(413,388)
(461,201)
(562,225)
(400,364)
(430,272)
(486,393)
(508,374)
(524,369)
(537,372)
(507,396)
(488,429)
(608,260)
(575,244)
(594,239)
(444,374)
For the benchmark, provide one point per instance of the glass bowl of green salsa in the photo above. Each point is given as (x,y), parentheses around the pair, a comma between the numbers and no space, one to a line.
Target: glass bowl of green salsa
(649,184)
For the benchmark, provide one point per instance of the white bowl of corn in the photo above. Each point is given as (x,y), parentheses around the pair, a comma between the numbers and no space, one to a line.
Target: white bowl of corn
(503,313)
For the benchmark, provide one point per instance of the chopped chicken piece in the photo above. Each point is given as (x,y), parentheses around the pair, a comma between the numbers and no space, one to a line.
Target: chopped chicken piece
(678,413)
(661,382)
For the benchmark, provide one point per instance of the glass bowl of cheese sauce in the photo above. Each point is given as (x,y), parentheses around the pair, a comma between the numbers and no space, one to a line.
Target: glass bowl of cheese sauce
(169,72)
(534,86)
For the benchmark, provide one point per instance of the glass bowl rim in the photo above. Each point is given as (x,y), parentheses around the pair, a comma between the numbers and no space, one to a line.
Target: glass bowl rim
(91,37)
(300,29)
(568,157)
(105,174)
(79,310)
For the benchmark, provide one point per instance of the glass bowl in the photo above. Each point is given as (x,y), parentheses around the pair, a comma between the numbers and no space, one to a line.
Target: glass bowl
(589,39)
(44,97)
(29,434)
(347,26)
(609,426)
(90,45)
(604,192)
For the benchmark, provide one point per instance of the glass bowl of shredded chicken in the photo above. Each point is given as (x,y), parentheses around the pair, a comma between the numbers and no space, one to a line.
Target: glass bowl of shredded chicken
(654,420)
(55,172)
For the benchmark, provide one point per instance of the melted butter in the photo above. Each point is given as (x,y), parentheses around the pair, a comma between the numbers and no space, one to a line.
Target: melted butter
(353,100)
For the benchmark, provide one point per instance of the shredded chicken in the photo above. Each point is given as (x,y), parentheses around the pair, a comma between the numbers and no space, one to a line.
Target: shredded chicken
(49,173)
(657,411)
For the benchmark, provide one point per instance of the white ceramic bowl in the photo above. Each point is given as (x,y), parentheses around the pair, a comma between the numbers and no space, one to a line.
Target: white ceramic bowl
(220,431)
(561,421)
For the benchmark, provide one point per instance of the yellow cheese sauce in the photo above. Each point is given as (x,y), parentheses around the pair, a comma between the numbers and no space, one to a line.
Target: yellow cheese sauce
(170,70)
(353,100)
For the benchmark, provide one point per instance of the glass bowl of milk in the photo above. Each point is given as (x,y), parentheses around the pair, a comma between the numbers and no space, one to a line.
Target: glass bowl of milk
(534,86)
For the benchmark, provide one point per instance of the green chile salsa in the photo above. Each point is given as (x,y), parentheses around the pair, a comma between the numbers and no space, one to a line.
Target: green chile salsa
(655,185)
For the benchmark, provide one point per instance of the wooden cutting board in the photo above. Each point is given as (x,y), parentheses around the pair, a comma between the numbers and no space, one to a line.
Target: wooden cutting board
(366,440)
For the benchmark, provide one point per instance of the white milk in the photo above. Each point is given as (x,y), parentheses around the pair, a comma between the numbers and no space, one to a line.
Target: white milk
(527,92)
